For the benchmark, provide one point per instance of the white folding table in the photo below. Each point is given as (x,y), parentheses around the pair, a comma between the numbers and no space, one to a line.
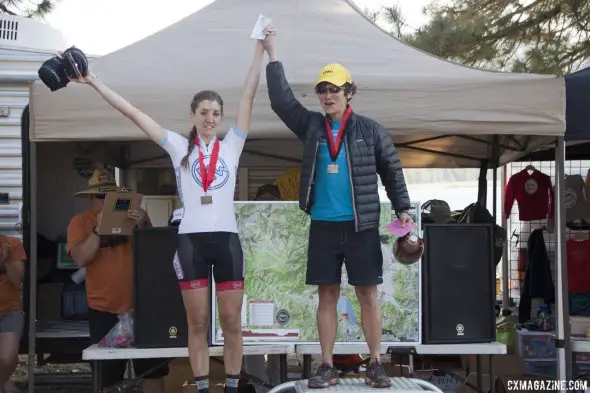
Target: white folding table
(97,355)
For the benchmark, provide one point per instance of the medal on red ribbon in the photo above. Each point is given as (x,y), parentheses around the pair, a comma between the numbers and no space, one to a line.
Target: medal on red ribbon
(207,174)
(334,146)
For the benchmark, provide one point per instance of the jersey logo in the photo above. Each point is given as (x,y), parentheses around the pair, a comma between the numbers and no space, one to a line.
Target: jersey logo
(221,173)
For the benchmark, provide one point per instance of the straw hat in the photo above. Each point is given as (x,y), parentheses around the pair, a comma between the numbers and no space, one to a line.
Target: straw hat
(101,182)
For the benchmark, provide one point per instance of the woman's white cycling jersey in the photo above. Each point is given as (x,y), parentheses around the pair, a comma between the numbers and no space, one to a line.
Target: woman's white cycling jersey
(217,213)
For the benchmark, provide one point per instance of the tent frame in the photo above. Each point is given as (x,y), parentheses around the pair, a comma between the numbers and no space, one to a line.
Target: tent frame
(498,143)
(561,306)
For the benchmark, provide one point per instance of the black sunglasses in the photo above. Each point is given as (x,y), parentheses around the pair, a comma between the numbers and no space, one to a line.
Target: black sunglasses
(325,89)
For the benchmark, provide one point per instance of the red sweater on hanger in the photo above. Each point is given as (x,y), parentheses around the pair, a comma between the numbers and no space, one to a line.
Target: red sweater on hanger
(533,194)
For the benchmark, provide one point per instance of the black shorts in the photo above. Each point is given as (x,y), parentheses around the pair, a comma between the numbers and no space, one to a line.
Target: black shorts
(113,371)
(197,252)
(332,243)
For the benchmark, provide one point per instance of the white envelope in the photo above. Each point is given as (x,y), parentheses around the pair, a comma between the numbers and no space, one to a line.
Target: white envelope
(261,24)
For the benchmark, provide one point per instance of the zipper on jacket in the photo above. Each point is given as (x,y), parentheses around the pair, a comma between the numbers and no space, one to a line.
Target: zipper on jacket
(312,175)
(356,227)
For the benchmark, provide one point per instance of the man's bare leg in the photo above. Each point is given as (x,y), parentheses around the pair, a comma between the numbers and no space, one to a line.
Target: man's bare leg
(372,324)
(327,321)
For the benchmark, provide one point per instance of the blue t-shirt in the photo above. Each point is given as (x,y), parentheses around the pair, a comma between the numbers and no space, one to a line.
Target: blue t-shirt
(332,199)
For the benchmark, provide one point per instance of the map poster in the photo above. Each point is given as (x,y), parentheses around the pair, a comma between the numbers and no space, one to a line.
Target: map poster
(279,307)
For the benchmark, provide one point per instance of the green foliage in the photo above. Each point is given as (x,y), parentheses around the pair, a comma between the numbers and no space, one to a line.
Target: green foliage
(28,9)
(549,36)
(274,239)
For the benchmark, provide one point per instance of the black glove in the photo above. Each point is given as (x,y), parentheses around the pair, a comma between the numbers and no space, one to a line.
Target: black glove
(53,74)
(75,63)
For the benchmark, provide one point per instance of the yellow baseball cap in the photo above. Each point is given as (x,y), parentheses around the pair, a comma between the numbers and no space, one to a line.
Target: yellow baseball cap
(335,74)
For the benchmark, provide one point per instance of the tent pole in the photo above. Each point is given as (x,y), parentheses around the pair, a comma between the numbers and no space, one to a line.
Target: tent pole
(32,265)
(505,260)
(495,193)
(482,183)
(562,328)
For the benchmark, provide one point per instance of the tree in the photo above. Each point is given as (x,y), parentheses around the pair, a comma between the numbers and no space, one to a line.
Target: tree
(541,36)
(27,8)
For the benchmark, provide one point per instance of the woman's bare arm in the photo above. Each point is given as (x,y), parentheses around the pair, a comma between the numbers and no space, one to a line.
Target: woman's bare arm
(252,81)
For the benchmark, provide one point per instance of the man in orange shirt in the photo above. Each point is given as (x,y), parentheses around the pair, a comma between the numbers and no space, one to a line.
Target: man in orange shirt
(109,279)
(12,271)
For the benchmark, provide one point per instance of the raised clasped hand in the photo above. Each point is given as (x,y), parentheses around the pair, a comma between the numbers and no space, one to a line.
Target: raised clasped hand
(270,32)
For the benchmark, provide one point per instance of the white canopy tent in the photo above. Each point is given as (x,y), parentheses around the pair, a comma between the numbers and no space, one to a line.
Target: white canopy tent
(415,95)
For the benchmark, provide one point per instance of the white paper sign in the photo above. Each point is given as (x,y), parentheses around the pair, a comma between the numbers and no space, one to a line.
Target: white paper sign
(261,24)
(178,214)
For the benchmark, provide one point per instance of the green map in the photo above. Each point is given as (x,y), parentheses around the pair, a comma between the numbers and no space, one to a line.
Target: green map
(279,306)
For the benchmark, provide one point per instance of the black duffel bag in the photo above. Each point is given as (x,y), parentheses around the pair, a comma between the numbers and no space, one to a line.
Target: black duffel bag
(475,213)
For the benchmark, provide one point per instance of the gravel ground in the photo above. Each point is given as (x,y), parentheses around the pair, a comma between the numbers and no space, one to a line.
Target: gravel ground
(20,376)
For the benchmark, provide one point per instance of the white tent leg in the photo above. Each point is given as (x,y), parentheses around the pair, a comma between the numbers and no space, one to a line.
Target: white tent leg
(562,328)
(505,259)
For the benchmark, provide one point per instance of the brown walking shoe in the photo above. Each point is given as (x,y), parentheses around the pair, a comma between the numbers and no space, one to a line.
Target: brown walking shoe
(376,376)
(324,377)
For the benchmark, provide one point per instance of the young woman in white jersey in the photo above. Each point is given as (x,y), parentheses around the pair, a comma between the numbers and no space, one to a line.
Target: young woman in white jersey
(205,170)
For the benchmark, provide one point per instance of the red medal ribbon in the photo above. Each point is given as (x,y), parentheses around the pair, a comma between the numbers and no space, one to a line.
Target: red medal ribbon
(336,145)
(207,176)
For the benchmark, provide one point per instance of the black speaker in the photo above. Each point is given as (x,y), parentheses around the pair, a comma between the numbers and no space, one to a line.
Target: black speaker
(159,315)
(458,284)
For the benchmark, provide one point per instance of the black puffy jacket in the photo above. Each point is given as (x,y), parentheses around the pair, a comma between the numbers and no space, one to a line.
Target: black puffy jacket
(369,151)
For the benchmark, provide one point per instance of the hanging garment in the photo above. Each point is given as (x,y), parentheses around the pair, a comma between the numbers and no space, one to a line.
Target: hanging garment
(578,266)
(577,206)
(533,194)
(538,280)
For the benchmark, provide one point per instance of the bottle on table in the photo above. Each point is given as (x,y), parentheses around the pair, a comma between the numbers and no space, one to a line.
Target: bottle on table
(544,320)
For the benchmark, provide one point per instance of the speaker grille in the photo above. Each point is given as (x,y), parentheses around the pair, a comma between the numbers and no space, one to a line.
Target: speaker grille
(160,319)
(458,283)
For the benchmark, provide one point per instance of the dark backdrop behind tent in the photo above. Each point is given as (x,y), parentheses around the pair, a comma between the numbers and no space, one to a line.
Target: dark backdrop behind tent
(577,114)
(422,100)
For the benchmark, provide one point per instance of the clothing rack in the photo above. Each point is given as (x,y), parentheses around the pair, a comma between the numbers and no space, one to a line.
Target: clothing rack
(521,231)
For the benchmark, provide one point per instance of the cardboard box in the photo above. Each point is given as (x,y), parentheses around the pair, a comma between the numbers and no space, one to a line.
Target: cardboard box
(448,382)
(114,221)
(396,370)
(502,364)
(181,374)
(579,326)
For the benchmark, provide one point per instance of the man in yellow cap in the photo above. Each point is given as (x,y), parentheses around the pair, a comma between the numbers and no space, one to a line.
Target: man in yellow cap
(342,156)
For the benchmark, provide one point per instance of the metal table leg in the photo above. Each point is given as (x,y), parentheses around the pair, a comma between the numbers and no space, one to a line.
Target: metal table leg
(306,366)
(478,371)
(96,376)
(283,368)
(491,371)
